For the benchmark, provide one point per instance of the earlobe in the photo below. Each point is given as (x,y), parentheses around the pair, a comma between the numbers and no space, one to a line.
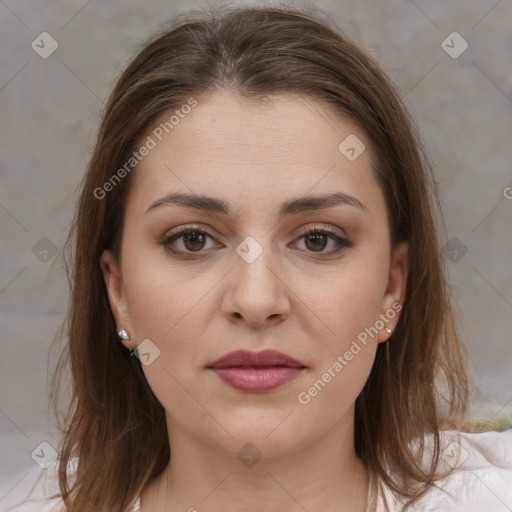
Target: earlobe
(394,296)
(115,290)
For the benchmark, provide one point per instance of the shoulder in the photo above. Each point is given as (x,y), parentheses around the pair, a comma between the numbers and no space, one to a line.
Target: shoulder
(481,476)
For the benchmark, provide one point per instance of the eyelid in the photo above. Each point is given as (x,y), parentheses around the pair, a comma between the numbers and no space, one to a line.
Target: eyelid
(323,227)
(188,227)
(304,230)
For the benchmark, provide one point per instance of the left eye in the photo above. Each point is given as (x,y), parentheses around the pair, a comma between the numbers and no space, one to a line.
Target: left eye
(317,240)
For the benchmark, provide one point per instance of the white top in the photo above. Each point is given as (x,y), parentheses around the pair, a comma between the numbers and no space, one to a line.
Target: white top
(481,481)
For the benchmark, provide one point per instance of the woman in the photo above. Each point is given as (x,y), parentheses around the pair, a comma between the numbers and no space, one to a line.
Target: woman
(260,318)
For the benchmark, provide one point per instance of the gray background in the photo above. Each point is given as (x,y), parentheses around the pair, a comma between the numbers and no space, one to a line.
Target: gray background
(50,110)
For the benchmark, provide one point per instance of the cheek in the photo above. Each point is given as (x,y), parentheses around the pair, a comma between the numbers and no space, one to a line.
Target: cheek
(351,303)
(344,355)
(332,391)
(161,297)
(168,311)
(172,307)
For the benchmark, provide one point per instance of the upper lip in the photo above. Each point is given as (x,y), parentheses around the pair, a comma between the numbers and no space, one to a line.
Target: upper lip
(256,359)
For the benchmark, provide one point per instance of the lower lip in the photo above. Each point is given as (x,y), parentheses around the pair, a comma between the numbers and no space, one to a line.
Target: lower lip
(258,379)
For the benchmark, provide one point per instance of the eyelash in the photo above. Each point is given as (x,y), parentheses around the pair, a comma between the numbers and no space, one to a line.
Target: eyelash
(342,243)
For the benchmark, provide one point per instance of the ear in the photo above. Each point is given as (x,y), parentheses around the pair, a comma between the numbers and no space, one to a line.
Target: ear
(394,295)
(116,294)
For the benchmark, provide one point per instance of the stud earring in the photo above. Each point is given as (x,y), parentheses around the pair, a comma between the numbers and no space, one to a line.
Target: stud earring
(124,335)
(388,330)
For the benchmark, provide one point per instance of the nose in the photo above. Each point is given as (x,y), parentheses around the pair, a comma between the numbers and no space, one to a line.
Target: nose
(256,292)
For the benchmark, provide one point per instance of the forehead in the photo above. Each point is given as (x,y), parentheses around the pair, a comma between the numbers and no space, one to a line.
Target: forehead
(249,150)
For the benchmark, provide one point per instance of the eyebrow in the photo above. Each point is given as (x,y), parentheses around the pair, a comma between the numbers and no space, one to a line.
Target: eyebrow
(290,207)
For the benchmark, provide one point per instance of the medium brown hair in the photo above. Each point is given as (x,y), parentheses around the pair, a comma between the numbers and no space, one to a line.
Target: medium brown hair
(418,384)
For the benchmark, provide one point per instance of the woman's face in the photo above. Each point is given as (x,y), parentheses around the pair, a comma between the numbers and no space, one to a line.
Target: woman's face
(250,278)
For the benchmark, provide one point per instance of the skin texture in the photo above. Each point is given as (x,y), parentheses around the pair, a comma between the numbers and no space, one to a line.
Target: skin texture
(290,298)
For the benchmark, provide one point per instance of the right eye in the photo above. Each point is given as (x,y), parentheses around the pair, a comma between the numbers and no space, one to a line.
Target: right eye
(192,240)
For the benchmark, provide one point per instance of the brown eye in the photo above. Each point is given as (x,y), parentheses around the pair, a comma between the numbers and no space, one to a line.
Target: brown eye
(316,241)
(186,241)
(194,240)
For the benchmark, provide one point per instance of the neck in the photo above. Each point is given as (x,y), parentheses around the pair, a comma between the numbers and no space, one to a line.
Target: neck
(325,474)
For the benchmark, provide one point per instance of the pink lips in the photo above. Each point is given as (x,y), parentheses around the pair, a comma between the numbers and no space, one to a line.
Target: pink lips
(256,371)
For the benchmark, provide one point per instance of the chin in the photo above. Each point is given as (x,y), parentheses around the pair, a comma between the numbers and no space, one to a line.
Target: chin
(267,437)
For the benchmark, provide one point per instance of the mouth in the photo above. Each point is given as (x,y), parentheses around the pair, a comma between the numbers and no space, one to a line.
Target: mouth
(257,371)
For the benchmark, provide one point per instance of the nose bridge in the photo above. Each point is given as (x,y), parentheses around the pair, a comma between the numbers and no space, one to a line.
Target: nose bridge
(255,264)
(257,290)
